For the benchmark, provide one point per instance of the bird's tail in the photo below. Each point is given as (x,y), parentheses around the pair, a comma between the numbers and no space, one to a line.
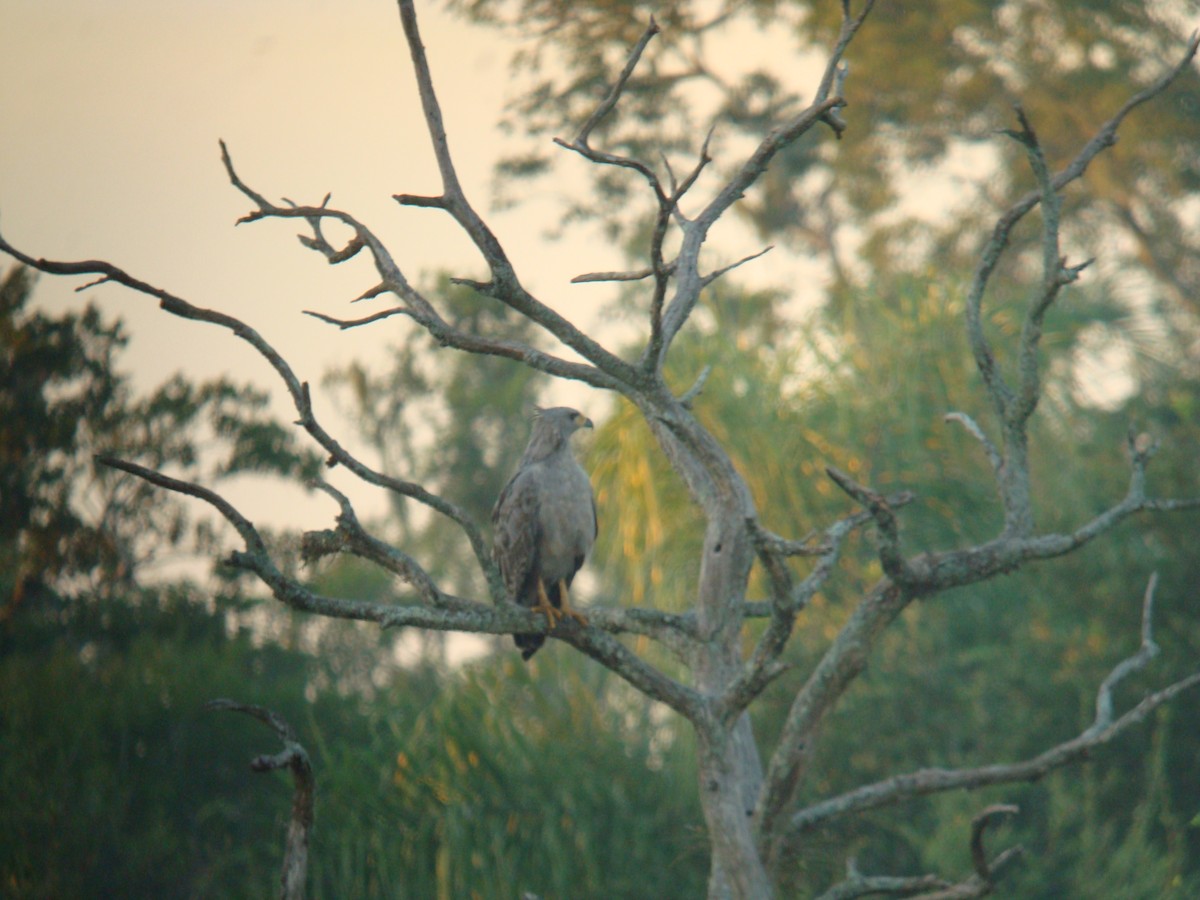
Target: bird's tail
(528,644)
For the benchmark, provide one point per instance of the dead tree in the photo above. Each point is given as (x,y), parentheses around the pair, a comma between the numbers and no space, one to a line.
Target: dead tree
(752,815)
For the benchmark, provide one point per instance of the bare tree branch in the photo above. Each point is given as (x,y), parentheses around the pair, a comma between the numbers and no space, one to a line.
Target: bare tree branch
(635,275)
(344,324)
(1055,275)
(295,758)
(688,397)
(999,392)
(859,885)
(834,77)
(972,427)
(352,538)
(924,575)
(885,524)
(296,389)
(689,282)
(610,102)
(1013,474)
(985,868)
(932,887)
(451,613)
(416,306)
(839,666)
(581,144)
(1103,729)
(505,285)
(931,573)
(713,276)
(788,600)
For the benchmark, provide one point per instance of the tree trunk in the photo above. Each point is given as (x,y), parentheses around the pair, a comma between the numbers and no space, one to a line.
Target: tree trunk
(726,773)
(730,771)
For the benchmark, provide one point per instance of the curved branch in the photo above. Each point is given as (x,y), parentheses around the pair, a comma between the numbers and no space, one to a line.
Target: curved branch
(984,868)
(1103,729)
(609,102)
(296,389)
(581,144)
(978,884)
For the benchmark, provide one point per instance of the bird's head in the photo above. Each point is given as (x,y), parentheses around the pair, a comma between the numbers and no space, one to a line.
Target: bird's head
(552,430)
(563,419)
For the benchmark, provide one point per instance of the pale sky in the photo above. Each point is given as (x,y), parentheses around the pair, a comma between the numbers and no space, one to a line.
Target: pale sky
(111,115)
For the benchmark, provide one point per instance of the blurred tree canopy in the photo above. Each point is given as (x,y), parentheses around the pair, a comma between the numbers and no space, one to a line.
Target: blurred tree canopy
(930,85)
(68,526)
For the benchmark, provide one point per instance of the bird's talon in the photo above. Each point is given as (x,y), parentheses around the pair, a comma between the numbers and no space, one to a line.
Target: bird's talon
(546,608)
(566,609)
(577,616)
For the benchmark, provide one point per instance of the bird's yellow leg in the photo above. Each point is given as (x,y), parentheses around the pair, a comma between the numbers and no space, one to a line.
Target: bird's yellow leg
(566,606)
(545,607)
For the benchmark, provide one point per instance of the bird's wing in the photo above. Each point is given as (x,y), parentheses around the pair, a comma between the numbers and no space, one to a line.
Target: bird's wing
(517,535)
(595,521)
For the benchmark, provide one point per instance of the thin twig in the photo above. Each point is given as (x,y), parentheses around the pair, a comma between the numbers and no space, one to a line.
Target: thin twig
(606,106)
(993,455)
(890,555)
(713,276)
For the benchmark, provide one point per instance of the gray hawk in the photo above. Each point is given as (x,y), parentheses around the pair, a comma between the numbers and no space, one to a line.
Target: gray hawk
(545,522)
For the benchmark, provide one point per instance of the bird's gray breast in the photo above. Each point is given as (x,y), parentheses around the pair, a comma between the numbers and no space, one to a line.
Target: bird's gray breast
(567,517)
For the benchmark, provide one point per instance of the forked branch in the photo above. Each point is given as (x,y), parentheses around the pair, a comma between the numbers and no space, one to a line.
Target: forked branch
(924,576)
(504,284)
(1104,728)
(689,283)
(293,757)
(788,600)
(1000,394)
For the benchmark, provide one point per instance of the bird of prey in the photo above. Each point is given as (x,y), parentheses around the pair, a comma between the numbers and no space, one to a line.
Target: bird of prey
(545,522)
